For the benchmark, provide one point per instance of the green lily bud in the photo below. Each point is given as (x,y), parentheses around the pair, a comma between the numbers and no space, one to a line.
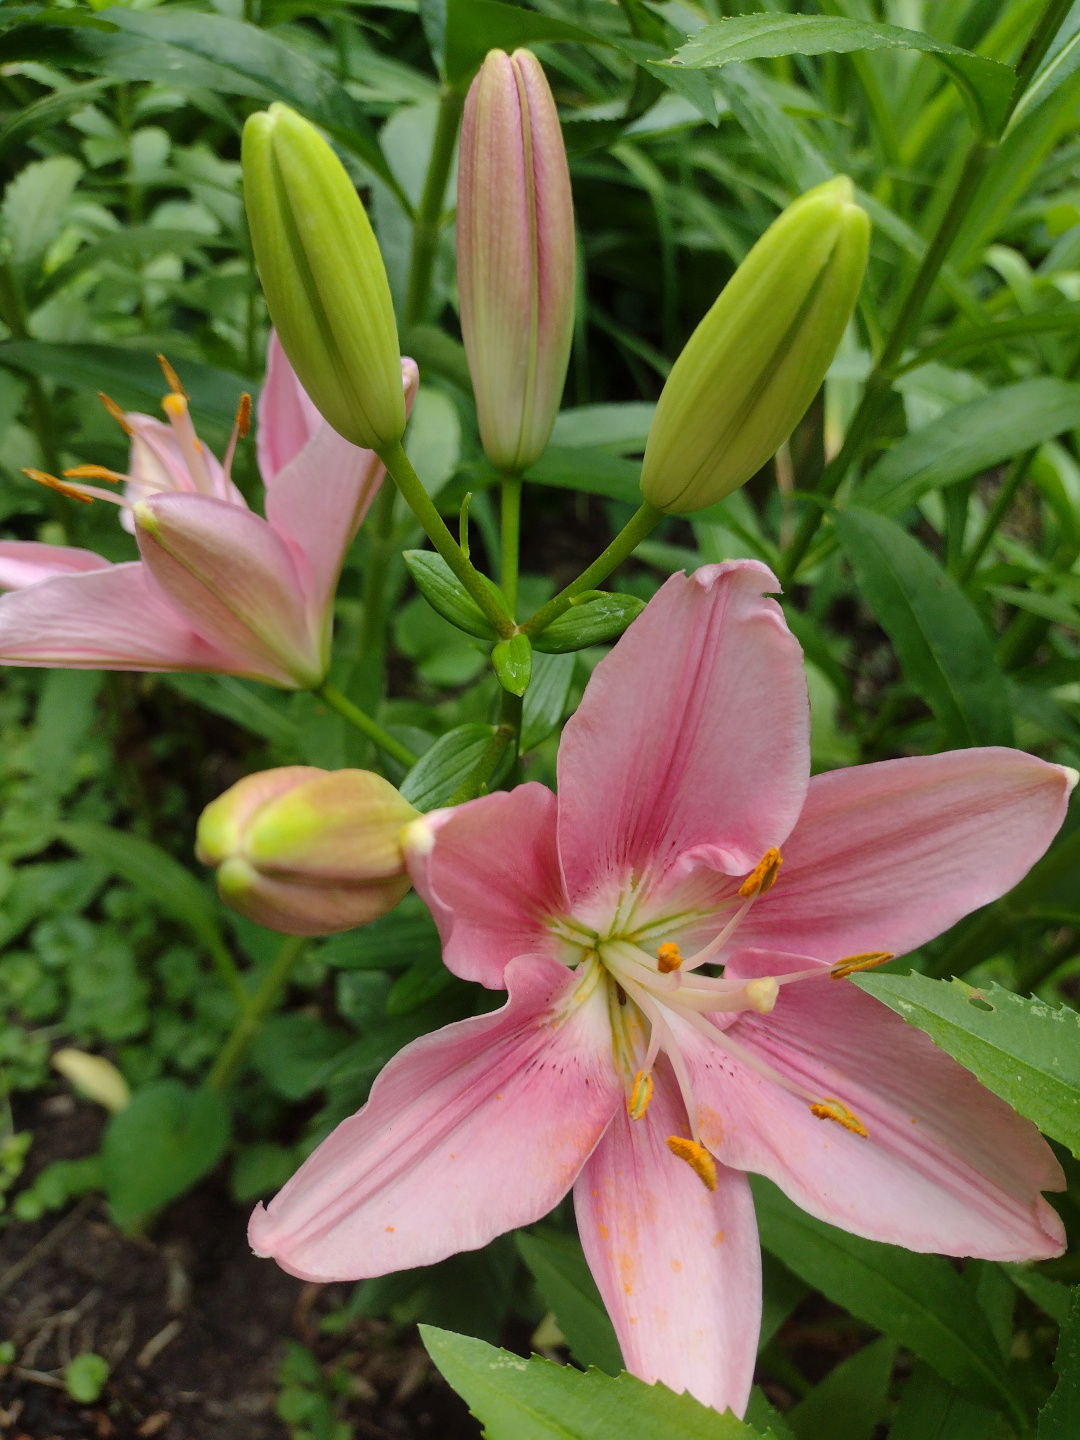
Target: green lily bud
(748,373)
(323,277)
(306,851)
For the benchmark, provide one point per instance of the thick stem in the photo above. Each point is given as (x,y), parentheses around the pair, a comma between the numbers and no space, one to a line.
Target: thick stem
(506,734)
(372,651)
(364,723)
(400,470)
(258,1008)
(510,518)
(640,524)
(428,223)
(1035,52)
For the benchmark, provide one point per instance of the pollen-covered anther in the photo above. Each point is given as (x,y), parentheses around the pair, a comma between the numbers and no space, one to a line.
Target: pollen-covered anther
(848,966)
(697,1157)
(761,994)
(668,958)
(116,413)
(243,415)
(175,405)
(640,1095)
(763,875)
(171,377)
(832,1109)
(44,478)
(92,472)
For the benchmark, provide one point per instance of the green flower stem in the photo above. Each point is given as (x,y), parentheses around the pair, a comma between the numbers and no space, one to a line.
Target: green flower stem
(640,524)
(506,734)
(510,518)
(372,649)
(428,222)
(879,381)
(420,503)
(258,1008)
(227,969)
(979,939)
(355,716)
(996,514)
(1035,52)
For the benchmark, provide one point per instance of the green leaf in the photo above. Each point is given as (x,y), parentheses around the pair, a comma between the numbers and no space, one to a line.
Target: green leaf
(918,1300)
(1051,1296)
(593,471)
(1057,1419)
(986,85)
(14,16)
(159,1146)
(445,593)
(931,1409)
(245,702)
(48,111)
(517,1399)
(419,984)
(595,618)
(969,439)
(857,1389)
(85,1377)
(562,1274)
(407,934)
(1024,1050)
(135,244)
(65,713)
(440,770)
(291,1052)
(946,653)
(619,429)
(34,207)
(546,697)
(512,660)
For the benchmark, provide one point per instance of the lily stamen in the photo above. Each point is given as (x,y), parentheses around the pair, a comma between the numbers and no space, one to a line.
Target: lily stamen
(697,1157)
(115,411)
(85,494)
(241,426)
(175,406)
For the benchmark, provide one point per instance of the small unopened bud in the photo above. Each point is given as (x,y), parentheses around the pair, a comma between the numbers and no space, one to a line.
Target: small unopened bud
(323,277)
(306,851)
(748,373)
(515,256)
(94,1077)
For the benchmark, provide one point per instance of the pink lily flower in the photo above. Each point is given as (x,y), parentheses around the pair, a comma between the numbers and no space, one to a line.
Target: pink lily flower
(218,588)
(620,1067)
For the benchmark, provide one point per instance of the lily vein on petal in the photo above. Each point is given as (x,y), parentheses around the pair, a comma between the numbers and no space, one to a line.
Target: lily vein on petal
(218,588)
(686,834)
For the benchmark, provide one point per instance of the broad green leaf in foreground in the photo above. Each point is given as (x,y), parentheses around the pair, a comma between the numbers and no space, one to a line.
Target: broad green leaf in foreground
(918,1300)
(440,770)
(941,642)
(1058,1418)
(536,1399)
(562,1273)
(857,1389)
(1024,1050)
(156,1148)
(986,85)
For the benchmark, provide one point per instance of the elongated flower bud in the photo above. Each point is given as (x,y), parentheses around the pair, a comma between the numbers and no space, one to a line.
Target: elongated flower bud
(515,256)
(307,851)
(751,368)
(323,277)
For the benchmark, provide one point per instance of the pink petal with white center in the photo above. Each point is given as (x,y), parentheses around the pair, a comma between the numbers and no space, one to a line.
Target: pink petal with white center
(235,579)
(692,741)
(886,856)
(113,618)
(678,1266)
(25,562)
(287,415)
(469,1132)
(489,872)
(946,1166)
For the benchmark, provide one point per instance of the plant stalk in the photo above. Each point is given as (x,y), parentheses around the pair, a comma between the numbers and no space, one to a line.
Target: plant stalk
(372,649)
(996,514)
(510,518)
(258,1008)
(364,723)
(427,225)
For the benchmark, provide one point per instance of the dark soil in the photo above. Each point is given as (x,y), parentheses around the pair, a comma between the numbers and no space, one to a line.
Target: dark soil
(192,1324)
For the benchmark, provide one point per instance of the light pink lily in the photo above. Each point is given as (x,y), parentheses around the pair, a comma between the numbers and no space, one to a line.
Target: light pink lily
(218,588)
(620,1067)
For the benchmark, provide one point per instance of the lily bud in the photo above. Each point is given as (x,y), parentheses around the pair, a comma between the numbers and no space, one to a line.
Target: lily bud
(323,277)
(306,851)
(515,256)
(748,373)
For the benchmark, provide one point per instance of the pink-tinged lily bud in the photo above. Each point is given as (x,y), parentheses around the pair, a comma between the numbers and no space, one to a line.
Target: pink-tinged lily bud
(323,277)
(748,373)
(515,256)
(306,851)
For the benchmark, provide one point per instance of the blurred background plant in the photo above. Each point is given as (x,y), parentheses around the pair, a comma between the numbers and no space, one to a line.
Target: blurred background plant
(925,517)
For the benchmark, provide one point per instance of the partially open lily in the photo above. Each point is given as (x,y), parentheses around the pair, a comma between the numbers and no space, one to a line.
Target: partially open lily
(218,588)
(687,833)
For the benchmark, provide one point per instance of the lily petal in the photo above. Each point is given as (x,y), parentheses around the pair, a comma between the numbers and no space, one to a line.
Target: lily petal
(113,618)
(946,1166)
(489,873)
(288,418)
(678,1267)
(469,1132)
(691,746)
(25,562)
(886,856)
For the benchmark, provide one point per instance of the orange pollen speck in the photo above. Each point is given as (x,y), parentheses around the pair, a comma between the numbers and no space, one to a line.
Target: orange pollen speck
(832,1109)
(44,478)
(697,1157)
(171,377)
(640,1095)
(116,413)
(92,472)
(668,958)
(848,966)
(243,415)
(763,875)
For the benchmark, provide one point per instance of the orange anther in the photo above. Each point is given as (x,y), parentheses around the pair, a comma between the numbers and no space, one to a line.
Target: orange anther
(92,472)
(763,875)
(832,1109)
(697,1157)
(243,415)
(843,968)
(668,957)
(44,478)
(171,377)
(640,1095)
(116,413)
